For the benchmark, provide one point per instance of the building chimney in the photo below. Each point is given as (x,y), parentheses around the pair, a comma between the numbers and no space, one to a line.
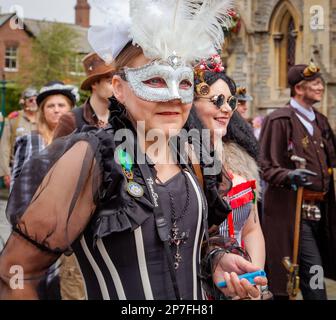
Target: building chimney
(82,9)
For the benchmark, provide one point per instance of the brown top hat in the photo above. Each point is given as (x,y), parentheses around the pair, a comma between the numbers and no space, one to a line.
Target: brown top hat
(301,72)
(95,68)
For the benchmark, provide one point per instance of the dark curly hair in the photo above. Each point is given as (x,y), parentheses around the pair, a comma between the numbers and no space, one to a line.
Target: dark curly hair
(240,132)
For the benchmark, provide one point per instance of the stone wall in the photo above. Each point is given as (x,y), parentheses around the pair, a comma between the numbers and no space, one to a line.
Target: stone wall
(251,56)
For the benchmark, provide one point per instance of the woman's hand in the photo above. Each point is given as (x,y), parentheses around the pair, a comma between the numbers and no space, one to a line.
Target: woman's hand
(228,268)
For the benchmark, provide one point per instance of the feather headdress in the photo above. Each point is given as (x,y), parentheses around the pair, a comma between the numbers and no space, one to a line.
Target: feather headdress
(190,29)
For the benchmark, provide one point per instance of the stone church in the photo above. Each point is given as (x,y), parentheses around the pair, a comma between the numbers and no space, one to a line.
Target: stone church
(273,35)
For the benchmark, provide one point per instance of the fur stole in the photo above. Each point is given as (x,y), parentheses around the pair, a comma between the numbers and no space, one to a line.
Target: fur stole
(239,162)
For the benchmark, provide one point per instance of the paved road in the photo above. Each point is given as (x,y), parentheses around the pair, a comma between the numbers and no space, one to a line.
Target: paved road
(331,290)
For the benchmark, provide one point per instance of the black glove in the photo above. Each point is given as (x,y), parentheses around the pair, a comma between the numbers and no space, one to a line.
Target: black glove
(299,177)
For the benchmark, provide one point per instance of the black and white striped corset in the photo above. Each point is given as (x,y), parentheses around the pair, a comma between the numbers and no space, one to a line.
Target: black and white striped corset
(240,216)
(132,264)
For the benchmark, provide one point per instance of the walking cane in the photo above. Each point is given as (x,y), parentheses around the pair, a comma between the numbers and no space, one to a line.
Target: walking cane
(292,266)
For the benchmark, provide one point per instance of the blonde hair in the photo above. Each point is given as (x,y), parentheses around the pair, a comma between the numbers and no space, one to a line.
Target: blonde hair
(43,127)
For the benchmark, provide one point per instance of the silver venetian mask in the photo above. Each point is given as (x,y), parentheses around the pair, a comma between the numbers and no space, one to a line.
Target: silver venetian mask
(176,81)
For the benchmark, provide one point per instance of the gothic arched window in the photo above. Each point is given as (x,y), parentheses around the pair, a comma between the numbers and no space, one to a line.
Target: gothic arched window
(286,47)
(291,44)
(284,27)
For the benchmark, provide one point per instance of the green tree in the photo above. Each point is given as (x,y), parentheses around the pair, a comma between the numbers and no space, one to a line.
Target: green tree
(53,50)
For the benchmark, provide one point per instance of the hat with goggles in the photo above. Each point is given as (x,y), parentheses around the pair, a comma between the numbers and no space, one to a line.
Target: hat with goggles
(29,93)
(300,72)
(242,94)
(202,88)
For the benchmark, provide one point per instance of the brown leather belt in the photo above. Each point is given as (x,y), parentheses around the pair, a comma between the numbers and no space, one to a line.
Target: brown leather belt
(313,196)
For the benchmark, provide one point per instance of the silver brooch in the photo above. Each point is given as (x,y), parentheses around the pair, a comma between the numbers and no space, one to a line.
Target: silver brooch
(135,190)
(174,60)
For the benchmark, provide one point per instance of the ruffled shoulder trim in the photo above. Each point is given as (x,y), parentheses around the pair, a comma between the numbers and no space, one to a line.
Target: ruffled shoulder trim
(117,210)
(242,194)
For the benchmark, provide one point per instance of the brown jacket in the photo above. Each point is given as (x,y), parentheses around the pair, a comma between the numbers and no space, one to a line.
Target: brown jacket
(76,119)
(281,137)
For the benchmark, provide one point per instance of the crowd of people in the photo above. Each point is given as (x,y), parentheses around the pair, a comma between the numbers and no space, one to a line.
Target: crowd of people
(116,199)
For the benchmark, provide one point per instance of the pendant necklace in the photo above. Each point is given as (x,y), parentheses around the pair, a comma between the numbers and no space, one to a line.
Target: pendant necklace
(102,123)
(177,238)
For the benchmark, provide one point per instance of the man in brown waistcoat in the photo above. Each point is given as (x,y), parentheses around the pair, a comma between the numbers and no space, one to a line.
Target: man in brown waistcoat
(95,110)
(299,129)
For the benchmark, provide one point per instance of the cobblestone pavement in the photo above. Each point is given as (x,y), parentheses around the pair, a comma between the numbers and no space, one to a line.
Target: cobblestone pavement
(5,231)
(331,289)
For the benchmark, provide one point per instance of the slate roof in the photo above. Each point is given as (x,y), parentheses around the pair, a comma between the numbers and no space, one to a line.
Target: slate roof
(34,27)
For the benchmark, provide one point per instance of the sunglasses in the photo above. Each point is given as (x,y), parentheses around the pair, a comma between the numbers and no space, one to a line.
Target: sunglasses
(31,100)
(219,101)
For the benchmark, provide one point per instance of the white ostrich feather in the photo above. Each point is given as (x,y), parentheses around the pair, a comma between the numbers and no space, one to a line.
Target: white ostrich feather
(191,29)
(115,11)
(108,41)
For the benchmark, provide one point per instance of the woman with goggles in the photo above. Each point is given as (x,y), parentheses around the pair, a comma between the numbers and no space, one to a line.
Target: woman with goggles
(214,109)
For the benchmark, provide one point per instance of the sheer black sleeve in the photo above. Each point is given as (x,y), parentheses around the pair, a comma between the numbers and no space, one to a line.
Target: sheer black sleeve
(46,225)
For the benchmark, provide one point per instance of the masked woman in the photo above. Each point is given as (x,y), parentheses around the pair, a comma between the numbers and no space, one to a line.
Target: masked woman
(135,224)
(215,105)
